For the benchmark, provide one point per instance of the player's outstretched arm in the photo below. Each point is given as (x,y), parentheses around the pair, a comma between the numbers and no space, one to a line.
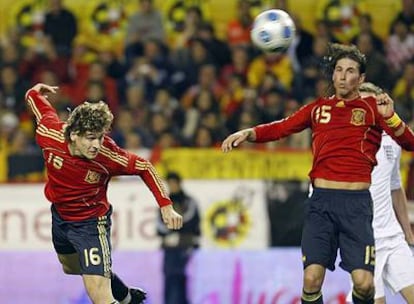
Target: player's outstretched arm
(171,218)
(235,139)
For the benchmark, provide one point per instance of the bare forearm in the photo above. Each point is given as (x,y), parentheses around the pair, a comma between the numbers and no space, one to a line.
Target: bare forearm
(251,134)
(400,208)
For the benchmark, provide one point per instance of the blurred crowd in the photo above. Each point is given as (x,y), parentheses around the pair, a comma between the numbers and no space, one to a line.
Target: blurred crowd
(189,90)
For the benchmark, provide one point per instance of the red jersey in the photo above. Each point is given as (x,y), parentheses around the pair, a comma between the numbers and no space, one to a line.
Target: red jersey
(78,186)
(345,136)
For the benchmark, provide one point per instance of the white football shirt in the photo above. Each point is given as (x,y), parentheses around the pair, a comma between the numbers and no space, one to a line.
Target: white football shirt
(386,177)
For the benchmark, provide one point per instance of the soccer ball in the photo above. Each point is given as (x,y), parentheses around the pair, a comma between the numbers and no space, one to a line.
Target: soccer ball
(273,30)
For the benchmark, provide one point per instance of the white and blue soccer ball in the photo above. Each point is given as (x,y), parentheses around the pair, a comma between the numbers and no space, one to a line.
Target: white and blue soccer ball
(273,30)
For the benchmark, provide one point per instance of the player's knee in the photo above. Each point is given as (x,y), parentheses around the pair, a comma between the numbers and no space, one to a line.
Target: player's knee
(364,288)
(380,300)
(312,282)
(363,282)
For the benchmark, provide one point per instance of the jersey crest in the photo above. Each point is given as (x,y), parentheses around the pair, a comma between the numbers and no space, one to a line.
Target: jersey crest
(92,177)
(358,116)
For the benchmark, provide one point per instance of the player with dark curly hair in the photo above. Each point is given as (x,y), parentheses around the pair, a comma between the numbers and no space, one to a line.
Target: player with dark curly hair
(80,160)
(346,134)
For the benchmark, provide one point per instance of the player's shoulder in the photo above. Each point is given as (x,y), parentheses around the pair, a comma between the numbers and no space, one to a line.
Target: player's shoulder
(109,143)
(51,130)
(109,148)
(325,100)
(371,100)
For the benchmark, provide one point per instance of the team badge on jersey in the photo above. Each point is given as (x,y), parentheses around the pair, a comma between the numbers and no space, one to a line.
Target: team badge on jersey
(358,117)
(92,177)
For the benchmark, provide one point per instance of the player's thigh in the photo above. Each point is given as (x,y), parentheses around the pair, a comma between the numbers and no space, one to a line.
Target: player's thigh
(92,242)
(408,293)
(70,263)
(98,288)
(319,238)
(400,268)
(380,261)
(381,257)
(60,229)
(356,236)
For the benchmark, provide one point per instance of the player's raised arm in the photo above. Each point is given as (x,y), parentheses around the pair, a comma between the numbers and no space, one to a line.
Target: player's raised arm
(395,126)
(36,98)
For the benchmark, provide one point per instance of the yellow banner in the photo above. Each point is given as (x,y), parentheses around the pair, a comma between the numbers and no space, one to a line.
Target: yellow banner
(214,164)
(245,164)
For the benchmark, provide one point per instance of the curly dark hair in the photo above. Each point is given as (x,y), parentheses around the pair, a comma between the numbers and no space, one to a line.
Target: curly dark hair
(89,117)
(336,52)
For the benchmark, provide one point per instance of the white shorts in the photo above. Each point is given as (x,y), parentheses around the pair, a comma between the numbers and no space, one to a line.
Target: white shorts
(394,266)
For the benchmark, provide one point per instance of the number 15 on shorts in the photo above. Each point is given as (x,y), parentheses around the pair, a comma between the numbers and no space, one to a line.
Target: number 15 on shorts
(370,255)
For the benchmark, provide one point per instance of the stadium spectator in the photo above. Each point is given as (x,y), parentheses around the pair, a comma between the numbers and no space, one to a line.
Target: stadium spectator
(207,80)
(238,29)
(218,49)
(399,48)
(311,67)
(377,67)
(188,30)
(178,246)
(9,55)
(239,64)
(153,70)
(60,27)
(406,14)
(190,60)
(248,114)
(365,27)
(341,17)
(403,92)
(301,46)
(94,77)
(43,56)
(233,94)
(144,24)
(12,89)
(279,64)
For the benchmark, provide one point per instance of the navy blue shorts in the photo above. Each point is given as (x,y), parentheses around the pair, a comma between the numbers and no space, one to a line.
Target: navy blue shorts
(89,238)
(339,219)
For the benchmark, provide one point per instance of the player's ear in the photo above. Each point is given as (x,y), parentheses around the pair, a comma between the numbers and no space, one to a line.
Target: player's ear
(73,136)
(362,78)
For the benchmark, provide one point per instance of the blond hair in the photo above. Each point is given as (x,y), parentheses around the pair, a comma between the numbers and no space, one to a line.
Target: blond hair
(368,87)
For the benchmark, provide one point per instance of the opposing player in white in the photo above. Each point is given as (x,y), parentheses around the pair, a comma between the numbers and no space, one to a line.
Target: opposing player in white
(394,261)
